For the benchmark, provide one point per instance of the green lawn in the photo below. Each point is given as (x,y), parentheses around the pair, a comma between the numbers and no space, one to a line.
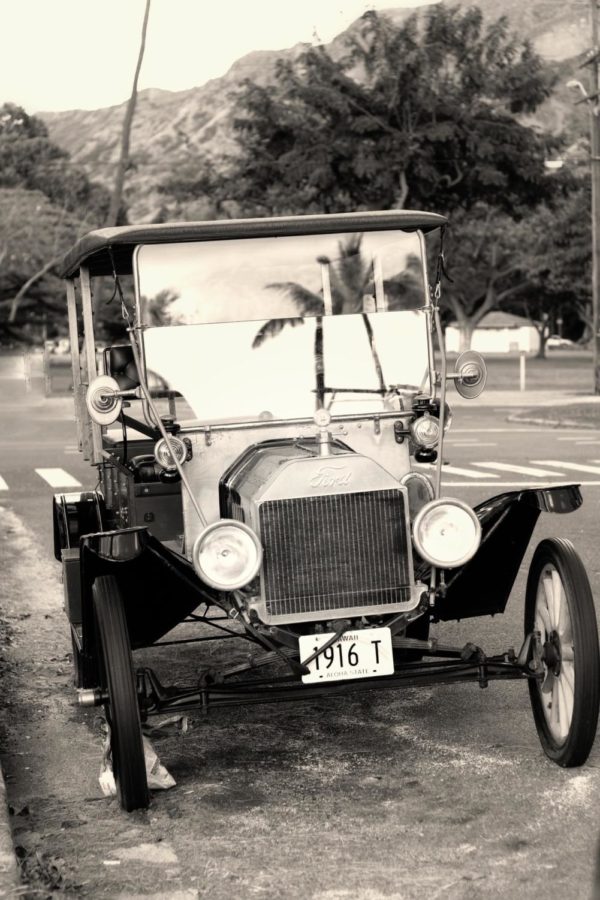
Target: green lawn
(566,371)
(584,415)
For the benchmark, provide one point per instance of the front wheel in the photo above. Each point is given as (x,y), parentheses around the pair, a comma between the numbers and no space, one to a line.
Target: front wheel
(559,604)
(118,683)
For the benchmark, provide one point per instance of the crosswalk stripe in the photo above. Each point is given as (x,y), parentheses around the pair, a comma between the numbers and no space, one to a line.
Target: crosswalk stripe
(461,443)
(468,473)
(515,484)
(58,478)
(518,470)
(576,467)
(3,484)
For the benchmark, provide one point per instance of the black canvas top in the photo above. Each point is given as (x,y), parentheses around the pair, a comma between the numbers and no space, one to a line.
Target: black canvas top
(95,248)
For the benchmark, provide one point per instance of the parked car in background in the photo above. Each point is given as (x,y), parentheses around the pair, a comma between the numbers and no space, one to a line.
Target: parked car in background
(556,342)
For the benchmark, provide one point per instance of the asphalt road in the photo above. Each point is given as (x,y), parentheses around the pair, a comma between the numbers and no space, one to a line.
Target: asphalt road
(438,792)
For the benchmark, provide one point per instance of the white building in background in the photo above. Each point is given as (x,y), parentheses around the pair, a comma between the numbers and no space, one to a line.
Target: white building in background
(498,332)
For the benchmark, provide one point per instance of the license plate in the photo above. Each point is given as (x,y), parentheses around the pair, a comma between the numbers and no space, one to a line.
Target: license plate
(358,654)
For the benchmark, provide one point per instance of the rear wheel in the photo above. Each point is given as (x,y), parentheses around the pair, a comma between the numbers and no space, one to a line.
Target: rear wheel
(121,707)
(559,604)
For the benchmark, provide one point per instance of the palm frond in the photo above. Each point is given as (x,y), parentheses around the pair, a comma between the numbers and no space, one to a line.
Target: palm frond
(308,303)
(273,327)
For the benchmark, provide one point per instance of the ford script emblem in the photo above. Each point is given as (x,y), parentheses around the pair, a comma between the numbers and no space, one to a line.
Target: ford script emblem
(331,476)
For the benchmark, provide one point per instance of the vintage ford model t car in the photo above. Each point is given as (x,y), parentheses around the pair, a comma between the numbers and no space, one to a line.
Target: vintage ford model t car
(255,437)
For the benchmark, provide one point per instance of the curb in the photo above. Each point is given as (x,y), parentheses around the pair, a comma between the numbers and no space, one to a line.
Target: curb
(10,881)
(552,423)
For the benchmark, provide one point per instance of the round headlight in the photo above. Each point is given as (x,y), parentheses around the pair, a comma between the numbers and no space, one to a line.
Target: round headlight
(425,431)
(227,555)
(163,454)
(446,533)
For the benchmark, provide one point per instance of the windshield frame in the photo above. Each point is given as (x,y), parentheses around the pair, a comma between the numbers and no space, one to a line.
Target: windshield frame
(430,390)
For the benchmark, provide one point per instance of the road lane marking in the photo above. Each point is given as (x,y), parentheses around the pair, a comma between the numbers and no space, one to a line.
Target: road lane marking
(517,484)
(461,443)
(468,473)
(3,484)
(58,478)
(508,430)
(518,470)
(577,467)
(455,470)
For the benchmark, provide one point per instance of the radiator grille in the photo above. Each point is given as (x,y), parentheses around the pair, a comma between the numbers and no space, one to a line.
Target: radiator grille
(333,552)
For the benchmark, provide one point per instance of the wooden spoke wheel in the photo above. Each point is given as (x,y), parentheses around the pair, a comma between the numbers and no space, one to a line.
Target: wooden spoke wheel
(121,707)
(559,604)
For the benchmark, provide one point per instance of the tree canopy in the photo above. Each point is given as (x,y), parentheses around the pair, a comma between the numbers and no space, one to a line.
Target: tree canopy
(46,203)
(424,113)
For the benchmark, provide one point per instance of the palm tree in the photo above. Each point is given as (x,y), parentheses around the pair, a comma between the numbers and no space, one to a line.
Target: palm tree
(350,280)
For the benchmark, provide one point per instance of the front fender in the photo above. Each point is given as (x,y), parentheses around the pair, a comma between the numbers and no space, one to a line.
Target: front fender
(482,586)
(159,586)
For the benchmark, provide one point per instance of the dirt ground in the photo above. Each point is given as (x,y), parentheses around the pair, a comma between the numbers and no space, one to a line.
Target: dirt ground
(434,792)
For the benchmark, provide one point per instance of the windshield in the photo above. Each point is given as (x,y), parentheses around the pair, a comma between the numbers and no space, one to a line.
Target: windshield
(277,327)
(258,278)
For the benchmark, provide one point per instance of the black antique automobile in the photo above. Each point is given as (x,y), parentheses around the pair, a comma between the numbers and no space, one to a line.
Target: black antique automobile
(268,439)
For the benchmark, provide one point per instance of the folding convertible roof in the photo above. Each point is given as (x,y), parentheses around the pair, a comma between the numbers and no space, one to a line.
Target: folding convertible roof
(95,249)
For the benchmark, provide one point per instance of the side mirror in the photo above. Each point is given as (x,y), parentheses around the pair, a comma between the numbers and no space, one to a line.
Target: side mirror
(103,401)
(470,374)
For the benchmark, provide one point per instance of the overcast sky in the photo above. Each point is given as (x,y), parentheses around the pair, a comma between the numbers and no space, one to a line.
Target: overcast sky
(80,54)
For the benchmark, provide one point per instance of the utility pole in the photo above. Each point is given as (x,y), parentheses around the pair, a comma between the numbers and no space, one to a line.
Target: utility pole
(592,99)
(594,108)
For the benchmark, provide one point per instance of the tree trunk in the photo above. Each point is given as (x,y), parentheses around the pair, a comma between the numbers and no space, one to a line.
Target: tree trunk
(466,327)
(374,354)
(401,197)
(117,194)
(543,335)
(14,306)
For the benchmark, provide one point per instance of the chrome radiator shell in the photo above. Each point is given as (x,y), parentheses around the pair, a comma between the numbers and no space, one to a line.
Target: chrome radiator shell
(335,532)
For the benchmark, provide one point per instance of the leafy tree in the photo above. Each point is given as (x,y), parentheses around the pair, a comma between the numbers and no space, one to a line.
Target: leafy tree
(539,267)
(555,253)
(32,231)
(485,265)
(30,160)
(424,113)
(46,203)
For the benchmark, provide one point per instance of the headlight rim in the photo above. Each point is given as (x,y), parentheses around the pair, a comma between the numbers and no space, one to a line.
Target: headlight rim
(214,526)
(414,425)
(434,504)
(178,442)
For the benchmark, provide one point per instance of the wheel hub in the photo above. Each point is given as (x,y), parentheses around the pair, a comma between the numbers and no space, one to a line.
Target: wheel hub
(551,654)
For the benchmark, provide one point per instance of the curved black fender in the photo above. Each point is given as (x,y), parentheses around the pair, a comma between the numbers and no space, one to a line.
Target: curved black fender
(482,586)
(74,515)
(159,586)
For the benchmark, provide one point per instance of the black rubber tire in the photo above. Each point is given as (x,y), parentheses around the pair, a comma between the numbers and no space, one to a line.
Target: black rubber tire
(575,748)
(122,708)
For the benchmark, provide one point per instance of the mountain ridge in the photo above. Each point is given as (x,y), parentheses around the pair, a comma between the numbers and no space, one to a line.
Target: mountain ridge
(172,127)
